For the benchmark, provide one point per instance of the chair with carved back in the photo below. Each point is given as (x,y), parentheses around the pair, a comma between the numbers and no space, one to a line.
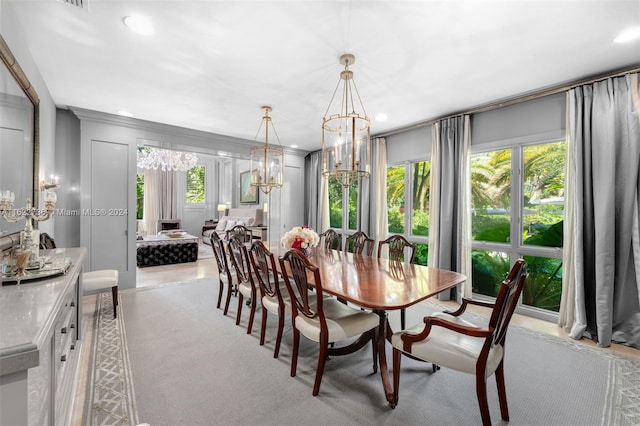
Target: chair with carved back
(445,339)
(274,295)
(331,240)
(241,231)
(225,274)
(320,319)
(357,242)
(246,285)
(397,246)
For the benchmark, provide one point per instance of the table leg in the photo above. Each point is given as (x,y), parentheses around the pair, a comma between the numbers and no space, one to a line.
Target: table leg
(382,357)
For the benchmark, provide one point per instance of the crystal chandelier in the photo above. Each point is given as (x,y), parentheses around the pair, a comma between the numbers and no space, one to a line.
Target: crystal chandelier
(165,159)
(266,162)
(346,135)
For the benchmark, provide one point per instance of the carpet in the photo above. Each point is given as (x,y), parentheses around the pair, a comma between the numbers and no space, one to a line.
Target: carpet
(110,396)
(192,365)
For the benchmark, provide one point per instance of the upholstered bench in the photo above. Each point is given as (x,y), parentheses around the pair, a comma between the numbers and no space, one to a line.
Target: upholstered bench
(102,280)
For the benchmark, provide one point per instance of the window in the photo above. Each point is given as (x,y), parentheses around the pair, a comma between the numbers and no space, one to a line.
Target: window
(139,196)
(195,188)
(517,211)
(410,182)
(343,206)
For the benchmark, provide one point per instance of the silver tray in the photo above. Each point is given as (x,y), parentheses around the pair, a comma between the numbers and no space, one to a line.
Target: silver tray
(46,271)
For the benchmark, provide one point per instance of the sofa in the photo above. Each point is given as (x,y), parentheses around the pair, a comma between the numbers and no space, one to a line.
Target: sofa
(234,216)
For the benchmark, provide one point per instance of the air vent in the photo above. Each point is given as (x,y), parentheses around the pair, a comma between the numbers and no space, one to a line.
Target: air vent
(81,4)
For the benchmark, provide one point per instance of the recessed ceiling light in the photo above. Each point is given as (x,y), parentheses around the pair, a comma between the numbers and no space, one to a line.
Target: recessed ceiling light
(138,24)
(628,35)
(294,146)
(381,117)
(124,113)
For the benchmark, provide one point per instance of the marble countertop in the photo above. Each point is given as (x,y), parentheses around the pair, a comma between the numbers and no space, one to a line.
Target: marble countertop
(27,311)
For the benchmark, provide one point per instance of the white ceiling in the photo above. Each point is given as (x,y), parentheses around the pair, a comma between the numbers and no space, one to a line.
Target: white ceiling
(212,64)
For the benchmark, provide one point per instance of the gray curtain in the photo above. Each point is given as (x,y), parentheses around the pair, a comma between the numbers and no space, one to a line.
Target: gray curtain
(449,193)
(373,210)
(314,183)
(603,266)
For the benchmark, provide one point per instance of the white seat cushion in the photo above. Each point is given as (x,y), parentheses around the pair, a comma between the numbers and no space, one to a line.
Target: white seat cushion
(342,321)
(98,280)
(245,289)
(450,349)
(270,303)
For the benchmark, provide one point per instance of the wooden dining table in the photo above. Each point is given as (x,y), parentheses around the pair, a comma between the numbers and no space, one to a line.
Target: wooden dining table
(378,284)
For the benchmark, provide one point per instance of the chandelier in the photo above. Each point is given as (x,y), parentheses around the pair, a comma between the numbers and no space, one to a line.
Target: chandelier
(266,162)
(165,159)
(345,132)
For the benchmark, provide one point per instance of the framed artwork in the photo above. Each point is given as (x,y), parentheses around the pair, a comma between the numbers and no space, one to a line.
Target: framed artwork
(248,193)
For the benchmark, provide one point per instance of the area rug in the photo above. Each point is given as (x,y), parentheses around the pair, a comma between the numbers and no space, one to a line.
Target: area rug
(190,363)
(207,362)
(110,396)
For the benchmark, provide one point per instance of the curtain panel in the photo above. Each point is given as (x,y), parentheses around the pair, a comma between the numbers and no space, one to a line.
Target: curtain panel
(160,197)
(601,295)
(449,200)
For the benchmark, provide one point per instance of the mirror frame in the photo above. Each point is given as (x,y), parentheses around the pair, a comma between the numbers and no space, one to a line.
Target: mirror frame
(21,79)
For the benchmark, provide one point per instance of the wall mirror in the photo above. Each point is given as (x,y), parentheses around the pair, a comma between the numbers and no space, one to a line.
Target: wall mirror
(19,124)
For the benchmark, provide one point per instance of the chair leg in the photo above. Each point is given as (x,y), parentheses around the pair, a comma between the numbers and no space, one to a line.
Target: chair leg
(481,391)
(240,300)
(252,313)
(294,354)
(276,351)
(220,294)
(263,326)
(322,360)
(114,296)
(502,392)
(229,291)
(396,375)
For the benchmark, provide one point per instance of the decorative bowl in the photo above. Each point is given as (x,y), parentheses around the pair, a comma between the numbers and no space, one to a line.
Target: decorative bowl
(174,234)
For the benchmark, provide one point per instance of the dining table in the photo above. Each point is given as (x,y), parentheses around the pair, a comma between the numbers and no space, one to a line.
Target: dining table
(378,284)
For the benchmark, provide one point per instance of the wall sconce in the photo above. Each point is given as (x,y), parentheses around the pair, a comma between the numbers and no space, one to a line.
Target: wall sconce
(29,238)
(53,184)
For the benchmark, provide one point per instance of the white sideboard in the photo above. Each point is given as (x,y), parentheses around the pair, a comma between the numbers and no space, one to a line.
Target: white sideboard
(40,337)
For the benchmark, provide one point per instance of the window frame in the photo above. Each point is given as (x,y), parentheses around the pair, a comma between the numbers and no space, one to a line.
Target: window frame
(516,249)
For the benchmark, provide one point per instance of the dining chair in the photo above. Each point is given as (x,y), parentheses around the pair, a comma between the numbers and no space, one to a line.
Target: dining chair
(322,320)
(225,274)
(240,230)
(331,240)
(397,245)
(357,242)
(445,339)
(244,278)
(274,295)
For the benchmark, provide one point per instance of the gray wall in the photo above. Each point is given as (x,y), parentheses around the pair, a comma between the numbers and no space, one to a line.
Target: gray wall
(67,160)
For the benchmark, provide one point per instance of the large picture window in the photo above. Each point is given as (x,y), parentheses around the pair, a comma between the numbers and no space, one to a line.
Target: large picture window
(408,188)
(195,188)
(517,211)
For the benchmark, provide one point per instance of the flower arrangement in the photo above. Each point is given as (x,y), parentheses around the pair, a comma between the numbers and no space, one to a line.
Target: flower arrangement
(300,237)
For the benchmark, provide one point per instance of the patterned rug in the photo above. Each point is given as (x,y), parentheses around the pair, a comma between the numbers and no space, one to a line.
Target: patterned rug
(110,396)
